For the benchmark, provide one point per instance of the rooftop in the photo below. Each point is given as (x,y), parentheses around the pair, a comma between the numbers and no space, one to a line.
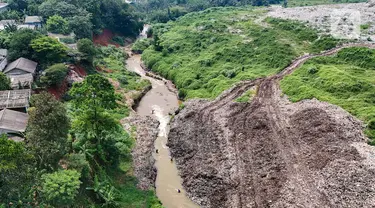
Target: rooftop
(33,19)
(13,121)
(23,64)
(15,98)
(9,21)
(2,5)
(21,81)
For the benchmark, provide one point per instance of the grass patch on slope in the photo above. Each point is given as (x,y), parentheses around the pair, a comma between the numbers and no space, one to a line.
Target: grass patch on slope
(346,80)
(205,53)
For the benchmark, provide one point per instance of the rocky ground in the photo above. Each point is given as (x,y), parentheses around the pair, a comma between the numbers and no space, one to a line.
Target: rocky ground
(272,153)
(143,161)
(339,20)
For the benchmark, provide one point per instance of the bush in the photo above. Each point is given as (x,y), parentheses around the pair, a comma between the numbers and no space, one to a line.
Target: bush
(60,188)
(119,40)
(54,75)
(140,45)
(67,40)
(324,43)
(57,24)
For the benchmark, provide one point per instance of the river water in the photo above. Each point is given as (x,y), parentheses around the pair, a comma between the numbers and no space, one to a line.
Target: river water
(159,102)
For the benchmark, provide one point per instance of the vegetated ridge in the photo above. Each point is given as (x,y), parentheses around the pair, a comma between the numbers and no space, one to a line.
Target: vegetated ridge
(270,152)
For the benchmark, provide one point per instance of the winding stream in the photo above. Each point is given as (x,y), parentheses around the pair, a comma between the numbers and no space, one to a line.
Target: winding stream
(159,102)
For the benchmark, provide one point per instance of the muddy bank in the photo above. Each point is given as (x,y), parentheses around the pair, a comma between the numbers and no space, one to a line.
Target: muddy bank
(270,152)
(146,132)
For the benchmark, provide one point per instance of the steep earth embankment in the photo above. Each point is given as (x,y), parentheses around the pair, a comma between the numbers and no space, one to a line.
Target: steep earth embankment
(272,153)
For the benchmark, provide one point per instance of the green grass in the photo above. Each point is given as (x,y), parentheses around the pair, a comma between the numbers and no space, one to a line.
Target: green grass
(247,96)
(205,53)
(346,80)
(297,3)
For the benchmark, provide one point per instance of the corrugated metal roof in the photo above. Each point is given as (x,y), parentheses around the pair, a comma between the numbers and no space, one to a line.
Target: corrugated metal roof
(21,81)
(5,22)
(13,121)
(3,52)
(33,19)
(15,98)
(22,64)
(2,5)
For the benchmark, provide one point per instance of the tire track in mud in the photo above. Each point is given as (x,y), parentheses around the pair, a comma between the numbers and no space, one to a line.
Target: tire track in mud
(267,153)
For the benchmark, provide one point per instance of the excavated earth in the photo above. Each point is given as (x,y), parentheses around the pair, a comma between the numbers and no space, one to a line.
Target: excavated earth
(271,152)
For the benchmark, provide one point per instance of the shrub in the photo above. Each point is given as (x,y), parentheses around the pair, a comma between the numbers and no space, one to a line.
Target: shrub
(67,40)
(60,188)
(54,75)
(57,24)
(119,40)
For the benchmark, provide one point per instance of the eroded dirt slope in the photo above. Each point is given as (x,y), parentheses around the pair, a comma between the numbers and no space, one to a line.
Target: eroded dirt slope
(272,153)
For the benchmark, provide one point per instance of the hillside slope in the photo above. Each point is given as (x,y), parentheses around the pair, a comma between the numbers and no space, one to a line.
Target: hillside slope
(272,153)
(205,53)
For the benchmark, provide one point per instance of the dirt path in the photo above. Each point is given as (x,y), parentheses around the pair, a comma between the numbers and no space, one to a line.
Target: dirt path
(270,152)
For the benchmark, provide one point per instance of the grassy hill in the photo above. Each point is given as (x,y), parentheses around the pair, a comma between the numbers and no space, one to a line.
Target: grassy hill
(346,80)
(205,53)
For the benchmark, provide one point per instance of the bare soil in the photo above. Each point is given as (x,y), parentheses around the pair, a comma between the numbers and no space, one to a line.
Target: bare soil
(339,20)
(271,152)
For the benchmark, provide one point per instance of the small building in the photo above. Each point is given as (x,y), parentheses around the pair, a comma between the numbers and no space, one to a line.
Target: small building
(4,23)
(13,122)
(24,26)
(3,59)
(15,99)
(4,7)
(23,81)
(21,66)
(34,20)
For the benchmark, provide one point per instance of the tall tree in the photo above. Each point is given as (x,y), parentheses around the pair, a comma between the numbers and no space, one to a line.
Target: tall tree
(16,176)
(57,24)
(94,128)
(19,44)
(47,130)
(48,50)
(81,26)
(87,49)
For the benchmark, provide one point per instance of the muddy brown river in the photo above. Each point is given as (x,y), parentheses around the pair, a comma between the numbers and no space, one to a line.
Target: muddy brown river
(159,102)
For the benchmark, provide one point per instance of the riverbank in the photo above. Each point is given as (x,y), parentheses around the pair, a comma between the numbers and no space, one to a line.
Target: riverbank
(158,103)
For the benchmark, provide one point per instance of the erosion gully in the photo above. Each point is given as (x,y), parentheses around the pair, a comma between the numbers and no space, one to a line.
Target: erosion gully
(159,102)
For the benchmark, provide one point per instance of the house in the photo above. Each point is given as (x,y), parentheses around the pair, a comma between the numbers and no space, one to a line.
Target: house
(24,26)
(23,81)
(4,23)
(13,122)
(3,59)
(15,99)
(4,7)
(34,21)
(21,66)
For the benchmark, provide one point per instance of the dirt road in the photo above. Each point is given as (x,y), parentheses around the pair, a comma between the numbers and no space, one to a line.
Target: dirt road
(273,153)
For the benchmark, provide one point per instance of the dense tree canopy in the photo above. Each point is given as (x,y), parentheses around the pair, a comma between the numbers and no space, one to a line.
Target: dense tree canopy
(47,130)
(15,171)
(57,24)
(19,44)
(48,50)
